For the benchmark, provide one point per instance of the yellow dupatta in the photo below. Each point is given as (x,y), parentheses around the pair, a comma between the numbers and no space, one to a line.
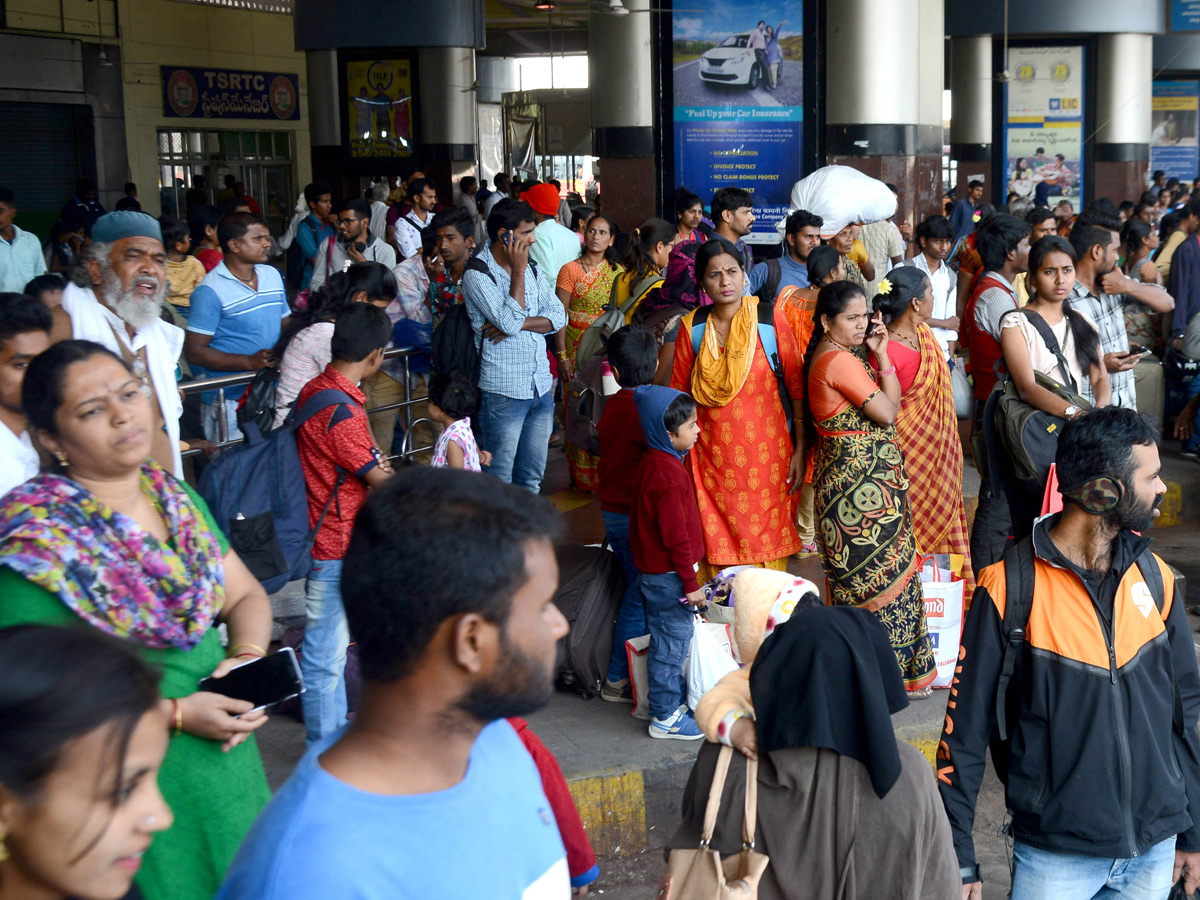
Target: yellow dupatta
(718,376)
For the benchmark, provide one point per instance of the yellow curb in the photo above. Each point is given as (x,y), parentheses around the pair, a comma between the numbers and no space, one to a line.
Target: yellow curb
(613,810)
(567,500)
(1172,506)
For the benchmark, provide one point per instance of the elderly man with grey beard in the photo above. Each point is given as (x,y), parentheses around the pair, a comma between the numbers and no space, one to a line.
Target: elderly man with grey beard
(115,300)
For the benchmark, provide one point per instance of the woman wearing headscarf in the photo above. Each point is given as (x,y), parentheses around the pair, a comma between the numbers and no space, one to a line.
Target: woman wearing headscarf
(845,810)
(926,425)
(746,465)
(107,539)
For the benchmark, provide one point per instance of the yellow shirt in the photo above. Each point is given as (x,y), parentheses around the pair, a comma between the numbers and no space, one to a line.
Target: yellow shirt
(1164,257)
(858,253)
(183,277)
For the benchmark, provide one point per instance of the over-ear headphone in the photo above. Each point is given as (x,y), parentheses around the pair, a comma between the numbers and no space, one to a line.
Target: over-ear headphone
(1097,495)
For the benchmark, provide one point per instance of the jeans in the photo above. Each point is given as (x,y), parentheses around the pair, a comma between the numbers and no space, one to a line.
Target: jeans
(323,652)
(517,432)
(1192,444)
(1045,875)
(210,417)
(671,631)
(631,617)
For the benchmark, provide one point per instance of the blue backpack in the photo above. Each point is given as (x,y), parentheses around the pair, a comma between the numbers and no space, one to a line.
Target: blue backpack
(766,336)
(257,494)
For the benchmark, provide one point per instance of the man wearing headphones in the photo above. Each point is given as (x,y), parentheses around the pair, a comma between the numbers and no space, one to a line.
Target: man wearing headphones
(1077,666)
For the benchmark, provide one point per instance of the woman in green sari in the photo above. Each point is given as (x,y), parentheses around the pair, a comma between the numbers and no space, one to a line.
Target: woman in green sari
(111,540)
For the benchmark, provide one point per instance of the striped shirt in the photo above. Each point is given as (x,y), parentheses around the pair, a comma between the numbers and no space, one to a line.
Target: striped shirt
(1108,312)
(240,319)
(516,367)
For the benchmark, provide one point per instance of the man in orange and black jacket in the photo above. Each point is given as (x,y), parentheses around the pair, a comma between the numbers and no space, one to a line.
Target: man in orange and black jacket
(1101,761)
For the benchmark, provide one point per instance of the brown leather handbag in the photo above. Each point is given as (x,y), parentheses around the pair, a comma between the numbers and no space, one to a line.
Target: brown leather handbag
(702,874)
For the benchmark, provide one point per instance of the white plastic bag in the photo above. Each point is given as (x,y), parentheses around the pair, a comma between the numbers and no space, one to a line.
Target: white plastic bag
(711,659)
(964,395)
(943,592)
(841,195)
(637,651)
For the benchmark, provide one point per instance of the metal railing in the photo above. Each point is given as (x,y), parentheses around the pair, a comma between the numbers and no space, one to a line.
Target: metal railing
(239,380)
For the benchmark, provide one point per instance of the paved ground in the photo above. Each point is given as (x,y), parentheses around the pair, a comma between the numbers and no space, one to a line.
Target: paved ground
(630,786)
(692,90)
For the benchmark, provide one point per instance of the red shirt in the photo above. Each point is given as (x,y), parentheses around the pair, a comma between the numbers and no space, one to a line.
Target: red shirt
(622,445)
(664,526)
(335,438)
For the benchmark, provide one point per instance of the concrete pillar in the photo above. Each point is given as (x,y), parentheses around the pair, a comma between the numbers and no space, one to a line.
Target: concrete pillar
(449,120)
(324,119)
(972,77)
(883,110)
(1124,72)
(621,78)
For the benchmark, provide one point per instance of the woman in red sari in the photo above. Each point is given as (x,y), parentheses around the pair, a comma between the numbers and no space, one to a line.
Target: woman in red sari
(745,465)
(926,427)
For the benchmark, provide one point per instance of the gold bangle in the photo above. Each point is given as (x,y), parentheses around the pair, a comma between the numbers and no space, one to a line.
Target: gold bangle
(236,647)
(177,717)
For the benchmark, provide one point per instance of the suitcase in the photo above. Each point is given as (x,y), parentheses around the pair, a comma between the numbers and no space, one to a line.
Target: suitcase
(591,585)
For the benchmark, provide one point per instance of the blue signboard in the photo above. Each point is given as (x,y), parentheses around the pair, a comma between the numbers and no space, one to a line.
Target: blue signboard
(229,94)
(739,103)
(1173,139)
(1185,15)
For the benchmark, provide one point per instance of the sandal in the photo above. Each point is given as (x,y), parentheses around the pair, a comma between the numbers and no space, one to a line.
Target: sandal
(921,694)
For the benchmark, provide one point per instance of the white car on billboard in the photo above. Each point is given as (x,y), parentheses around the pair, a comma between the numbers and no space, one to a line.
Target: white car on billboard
(732,62)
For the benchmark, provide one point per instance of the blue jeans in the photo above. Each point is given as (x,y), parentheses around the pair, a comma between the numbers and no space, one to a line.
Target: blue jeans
(210,417)
(1193,388)
(1045,875)
(631,617)
(671,631)
(517,432)
(323,652)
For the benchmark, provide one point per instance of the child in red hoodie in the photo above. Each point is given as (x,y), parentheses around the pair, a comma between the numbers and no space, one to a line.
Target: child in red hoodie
(633,356)
(667,543)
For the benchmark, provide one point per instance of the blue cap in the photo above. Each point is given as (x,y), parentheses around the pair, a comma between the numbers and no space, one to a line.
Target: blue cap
(125,224)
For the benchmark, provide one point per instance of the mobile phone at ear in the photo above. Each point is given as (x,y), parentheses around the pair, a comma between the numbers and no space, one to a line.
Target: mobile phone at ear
(264,682)
(507,238)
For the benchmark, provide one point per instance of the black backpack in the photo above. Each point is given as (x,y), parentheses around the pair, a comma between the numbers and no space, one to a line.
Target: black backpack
(770,287)
(1018,576)
(455,346)
(591,585)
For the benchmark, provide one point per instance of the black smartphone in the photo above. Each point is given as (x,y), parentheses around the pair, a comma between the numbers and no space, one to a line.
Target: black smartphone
(1137,350)
(263,682)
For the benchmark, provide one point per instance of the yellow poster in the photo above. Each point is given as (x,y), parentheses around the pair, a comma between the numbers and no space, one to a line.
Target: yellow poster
(380,103)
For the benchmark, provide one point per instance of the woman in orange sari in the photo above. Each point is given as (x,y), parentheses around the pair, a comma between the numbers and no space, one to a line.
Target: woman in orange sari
(926,426)
(584,287)
(745,464)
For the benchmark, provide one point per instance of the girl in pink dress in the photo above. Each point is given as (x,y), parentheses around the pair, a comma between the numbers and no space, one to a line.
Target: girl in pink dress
(451,400)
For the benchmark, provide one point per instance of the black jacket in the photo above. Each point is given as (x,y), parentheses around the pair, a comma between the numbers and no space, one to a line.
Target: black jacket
(1103,757)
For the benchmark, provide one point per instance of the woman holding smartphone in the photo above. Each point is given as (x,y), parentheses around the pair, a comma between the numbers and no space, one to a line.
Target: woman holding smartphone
(107,538)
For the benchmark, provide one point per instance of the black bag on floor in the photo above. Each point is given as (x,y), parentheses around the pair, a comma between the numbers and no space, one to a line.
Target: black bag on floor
(591,584)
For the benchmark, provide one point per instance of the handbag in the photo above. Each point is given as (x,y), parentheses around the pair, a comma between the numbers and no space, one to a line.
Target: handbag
(964,396)
(702,874)
(1177,366)
(257,404)
(1030,435)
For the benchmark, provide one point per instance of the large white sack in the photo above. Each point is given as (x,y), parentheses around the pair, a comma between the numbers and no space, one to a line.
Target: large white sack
(841,195)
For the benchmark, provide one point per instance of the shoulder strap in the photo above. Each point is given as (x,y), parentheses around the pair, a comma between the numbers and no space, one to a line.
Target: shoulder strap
(1052,345)
(766,334)
(750,820)
(319,401)
(698,322)
(770,287)
(714,796)
(476,264)
(1018,578)
(1147,564)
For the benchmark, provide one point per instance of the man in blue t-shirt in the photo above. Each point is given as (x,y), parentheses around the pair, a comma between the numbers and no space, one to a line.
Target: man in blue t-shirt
(237,315)
(428,793)
(801,234)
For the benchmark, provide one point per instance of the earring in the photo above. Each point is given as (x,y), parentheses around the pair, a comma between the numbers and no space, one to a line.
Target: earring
(62,458)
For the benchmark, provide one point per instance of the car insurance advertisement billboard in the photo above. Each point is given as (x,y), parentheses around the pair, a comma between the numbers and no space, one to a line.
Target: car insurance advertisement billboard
(1174,131)
(1043,125)
(737,68)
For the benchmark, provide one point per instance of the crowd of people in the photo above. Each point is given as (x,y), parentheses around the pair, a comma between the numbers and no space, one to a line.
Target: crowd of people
(756,411)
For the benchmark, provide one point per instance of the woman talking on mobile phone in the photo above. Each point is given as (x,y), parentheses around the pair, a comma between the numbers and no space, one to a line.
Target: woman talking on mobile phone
(107,538)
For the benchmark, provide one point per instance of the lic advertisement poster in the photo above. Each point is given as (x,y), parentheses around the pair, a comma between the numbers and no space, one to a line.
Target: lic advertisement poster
(1043,126)
(1173,144)
(380,104)
(738,70)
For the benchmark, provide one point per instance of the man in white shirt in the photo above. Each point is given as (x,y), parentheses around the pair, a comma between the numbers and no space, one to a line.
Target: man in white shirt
(935,238)
(379,208)
(24,333)
(503,182)
(21,258)
(119,306)
(355,243)
(412,225)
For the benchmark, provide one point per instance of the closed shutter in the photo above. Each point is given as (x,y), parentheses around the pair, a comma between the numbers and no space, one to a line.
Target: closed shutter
(39,157)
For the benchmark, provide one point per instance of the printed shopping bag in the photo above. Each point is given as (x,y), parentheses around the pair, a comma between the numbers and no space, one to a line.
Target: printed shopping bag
(943,590)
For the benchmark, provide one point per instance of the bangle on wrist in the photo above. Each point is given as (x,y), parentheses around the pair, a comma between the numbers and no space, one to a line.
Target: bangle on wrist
(176,718)
(233,651)
(890,370)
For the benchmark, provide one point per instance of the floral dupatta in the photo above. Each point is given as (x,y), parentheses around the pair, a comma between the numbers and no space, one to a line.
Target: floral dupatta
(110,571)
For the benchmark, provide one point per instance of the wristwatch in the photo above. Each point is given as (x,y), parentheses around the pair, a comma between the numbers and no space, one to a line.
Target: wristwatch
(1071,412)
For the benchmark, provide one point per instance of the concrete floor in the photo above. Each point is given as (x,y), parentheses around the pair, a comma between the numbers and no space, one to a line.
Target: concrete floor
(590,737)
